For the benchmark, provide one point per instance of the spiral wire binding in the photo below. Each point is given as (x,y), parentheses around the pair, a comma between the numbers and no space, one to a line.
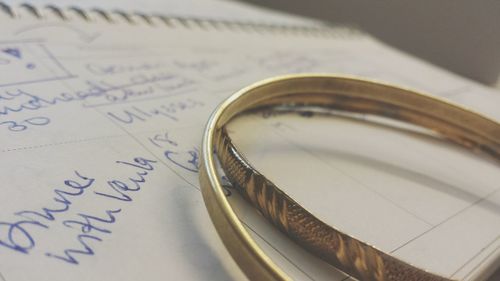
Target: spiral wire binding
(137,18)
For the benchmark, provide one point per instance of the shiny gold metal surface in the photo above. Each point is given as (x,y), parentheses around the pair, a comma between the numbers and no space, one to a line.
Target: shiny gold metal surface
(347,253)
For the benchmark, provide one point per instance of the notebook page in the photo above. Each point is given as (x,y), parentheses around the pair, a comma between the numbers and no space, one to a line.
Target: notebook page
(101,131)
(114,104)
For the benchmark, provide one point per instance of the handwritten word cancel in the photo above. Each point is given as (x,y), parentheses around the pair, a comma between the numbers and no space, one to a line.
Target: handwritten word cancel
(20,235)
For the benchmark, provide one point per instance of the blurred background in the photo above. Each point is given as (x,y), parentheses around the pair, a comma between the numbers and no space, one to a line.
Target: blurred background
(460,35)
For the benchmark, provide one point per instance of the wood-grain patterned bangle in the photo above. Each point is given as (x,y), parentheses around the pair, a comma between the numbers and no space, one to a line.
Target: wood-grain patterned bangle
(348,254)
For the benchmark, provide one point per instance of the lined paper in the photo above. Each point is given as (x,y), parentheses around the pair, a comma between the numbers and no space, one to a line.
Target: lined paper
(101,126)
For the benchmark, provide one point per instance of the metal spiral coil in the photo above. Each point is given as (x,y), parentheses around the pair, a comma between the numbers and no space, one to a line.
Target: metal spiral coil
(73,13)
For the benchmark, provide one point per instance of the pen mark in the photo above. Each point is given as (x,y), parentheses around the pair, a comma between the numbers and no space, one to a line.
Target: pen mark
(25,58)
(54,59)
(38,80)
(83,35)
(15,52)
(2,278)
(139,142)
(169,95)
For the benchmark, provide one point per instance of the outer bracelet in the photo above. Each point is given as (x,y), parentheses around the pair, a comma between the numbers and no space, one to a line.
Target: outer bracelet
(347,253)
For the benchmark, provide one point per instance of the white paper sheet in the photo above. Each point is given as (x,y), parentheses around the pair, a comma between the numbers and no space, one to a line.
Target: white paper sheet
(101,126)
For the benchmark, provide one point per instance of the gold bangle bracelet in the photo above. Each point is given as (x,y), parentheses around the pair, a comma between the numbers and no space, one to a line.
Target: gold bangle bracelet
(352,256)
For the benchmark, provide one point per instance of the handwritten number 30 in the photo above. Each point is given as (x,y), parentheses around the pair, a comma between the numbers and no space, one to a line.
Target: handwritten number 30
(24,124)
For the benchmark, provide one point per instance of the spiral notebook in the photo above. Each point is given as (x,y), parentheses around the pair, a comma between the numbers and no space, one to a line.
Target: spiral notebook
(101,117)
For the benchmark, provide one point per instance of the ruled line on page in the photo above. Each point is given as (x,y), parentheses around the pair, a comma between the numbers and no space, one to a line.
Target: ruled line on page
(446,220)
(483,259)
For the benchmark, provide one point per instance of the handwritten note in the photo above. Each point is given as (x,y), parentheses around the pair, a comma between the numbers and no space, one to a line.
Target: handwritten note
(20,239)
(29,61)
(100,151)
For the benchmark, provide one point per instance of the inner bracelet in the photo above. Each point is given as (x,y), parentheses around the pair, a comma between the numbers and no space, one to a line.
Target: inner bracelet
(354,257)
